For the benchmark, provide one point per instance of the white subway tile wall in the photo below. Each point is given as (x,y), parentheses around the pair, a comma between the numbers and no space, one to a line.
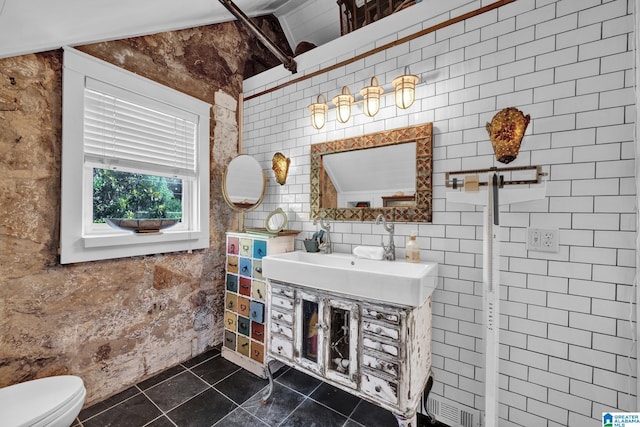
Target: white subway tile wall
(565,334)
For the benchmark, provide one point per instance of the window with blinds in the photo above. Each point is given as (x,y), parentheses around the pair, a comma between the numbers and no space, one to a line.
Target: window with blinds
(125,130)
(131,148)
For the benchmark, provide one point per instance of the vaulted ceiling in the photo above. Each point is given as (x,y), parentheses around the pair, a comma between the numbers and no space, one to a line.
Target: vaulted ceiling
(40,25)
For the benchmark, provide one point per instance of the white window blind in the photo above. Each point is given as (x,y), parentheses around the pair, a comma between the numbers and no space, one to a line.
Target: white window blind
(122,133)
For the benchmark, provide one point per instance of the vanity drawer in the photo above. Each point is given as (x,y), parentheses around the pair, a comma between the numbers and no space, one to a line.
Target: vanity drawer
(246,247)
(245,267)
(374,344)
(243,345)
(282,303)
(245,286)
(282,291)
(257,331)
(380,364)
(243,307)
(231,301)
(280,317)
(385,315)
(380,329)
(256,311)
(281,346)
(230,320)
(258,291)
(378,387)
(257,351)
(282,329)
(230,340)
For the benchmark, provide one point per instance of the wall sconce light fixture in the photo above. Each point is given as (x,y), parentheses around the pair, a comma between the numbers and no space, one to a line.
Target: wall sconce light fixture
(506,131)
(280,166)
(405,88)
(371,97)
(343,104)
(319,112)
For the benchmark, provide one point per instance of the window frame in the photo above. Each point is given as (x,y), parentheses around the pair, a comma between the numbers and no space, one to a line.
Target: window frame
(77,175)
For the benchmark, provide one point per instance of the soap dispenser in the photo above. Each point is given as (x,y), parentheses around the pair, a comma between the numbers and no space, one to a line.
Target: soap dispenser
(412,251)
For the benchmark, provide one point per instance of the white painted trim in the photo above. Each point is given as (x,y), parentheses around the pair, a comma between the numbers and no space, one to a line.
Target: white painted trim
(75,244)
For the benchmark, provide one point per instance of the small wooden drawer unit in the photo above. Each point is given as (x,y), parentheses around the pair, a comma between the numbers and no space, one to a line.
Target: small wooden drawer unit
(245,297)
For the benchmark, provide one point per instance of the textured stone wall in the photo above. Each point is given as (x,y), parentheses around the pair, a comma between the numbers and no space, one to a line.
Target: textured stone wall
(111,322)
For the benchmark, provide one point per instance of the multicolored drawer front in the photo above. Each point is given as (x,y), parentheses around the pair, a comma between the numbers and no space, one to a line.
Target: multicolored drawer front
(256,311)
(230,340)
(259,248)
(245,267)
(232,282)
(243,325)
(245,297)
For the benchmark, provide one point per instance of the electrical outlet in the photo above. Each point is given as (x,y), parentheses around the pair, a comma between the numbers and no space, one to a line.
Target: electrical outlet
(542,240)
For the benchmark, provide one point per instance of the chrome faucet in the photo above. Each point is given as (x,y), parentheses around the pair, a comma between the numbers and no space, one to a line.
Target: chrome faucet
(390,249)
(325,246)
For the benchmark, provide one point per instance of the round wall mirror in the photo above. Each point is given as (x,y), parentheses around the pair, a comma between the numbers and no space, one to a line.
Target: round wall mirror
(276,221)
(243,184)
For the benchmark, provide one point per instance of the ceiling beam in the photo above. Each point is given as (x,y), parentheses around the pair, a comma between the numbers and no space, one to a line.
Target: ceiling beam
(288,62)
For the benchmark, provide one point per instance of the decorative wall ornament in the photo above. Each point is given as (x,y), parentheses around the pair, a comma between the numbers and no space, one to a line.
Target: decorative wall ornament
(506,131)
(280,166)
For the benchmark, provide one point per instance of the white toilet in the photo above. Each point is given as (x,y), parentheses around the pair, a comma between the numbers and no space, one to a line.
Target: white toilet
(51,402)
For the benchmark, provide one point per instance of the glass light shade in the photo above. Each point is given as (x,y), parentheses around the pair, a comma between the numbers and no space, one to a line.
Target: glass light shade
(319,112)
(343,105)
(405,87)
(371,97)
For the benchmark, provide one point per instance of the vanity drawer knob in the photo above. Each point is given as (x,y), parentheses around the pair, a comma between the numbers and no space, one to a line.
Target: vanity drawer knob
(279,349)
(378,389)
(379,316)
(378,330)
(279,316)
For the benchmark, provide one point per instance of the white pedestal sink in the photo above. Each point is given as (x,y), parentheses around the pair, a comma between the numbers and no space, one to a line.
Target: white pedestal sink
(395,282)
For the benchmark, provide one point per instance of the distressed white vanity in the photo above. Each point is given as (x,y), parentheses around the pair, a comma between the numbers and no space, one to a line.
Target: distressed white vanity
(361,325)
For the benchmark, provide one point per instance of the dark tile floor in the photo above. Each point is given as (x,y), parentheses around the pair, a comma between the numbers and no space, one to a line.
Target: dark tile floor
(209,391)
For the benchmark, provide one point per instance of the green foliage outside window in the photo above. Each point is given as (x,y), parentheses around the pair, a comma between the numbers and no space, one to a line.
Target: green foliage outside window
(119,194)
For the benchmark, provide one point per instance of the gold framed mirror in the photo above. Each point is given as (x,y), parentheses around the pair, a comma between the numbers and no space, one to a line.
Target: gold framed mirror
(243,185)
(324,192)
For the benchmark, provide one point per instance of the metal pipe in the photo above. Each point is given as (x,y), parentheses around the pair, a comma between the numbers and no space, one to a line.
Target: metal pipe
(288,62)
